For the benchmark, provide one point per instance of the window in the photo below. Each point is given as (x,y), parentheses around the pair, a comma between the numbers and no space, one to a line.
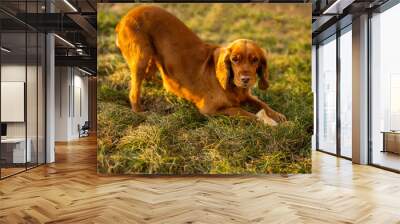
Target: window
(22,78)
(385,89)
(327,95)
(346,92)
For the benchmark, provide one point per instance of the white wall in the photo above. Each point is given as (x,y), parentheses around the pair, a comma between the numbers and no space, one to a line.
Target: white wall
(16,73)
(62,81)
(13,72)
(71,102)
(80,108)
(33,127)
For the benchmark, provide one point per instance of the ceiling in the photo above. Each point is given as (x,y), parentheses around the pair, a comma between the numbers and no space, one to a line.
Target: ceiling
(74,22)
(330,15)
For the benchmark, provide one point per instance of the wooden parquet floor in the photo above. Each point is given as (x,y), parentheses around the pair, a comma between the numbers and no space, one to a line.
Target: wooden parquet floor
(70,191)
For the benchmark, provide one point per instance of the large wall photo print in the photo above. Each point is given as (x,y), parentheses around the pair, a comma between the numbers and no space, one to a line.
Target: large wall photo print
(188,89)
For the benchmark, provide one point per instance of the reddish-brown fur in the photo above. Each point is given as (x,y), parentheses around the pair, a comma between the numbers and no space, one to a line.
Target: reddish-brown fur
(216,79)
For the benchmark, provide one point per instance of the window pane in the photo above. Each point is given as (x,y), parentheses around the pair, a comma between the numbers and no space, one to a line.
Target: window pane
(15,151)
(346,94)
(327,96)
(385,84)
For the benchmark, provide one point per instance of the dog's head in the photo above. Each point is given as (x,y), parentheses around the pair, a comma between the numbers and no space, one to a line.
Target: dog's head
(240,63)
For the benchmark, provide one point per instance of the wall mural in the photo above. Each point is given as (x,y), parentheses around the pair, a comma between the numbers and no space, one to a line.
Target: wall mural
(204,88)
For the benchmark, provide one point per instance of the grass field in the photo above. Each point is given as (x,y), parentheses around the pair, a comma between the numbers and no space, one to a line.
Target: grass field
(172,137)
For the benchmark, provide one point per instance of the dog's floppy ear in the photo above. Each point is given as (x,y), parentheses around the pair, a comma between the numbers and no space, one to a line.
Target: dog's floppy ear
(222,66)
(262,71)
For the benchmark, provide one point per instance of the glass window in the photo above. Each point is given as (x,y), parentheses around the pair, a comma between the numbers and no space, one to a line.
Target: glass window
(346,92)
(327,95)
(385,88)
(22,90)
(14,151)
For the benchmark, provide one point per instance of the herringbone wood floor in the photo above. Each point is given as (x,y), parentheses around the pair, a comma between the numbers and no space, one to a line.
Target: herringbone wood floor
(70,191)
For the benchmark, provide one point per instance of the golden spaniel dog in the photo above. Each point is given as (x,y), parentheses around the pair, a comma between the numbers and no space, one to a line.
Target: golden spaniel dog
(216,79)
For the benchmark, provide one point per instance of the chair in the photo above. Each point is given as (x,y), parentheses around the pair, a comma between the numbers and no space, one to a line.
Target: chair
(84,130)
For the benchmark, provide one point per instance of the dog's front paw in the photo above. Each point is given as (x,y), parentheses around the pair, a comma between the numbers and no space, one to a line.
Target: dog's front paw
(279,117)
(262,116)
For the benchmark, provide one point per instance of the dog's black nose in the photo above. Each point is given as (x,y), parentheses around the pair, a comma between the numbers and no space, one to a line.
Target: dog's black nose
(245,79)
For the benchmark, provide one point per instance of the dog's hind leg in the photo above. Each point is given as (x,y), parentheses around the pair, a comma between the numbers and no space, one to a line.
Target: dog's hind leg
(134,93)
(151,72)
(138,53)
(138,73)
(138,65)
(139,57)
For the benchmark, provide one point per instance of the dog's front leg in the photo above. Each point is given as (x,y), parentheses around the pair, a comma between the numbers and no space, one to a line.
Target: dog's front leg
(236,111)
(252,100)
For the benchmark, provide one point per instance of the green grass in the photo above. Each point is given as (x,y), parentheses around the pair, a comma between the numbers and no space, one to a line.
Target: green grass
(172,137)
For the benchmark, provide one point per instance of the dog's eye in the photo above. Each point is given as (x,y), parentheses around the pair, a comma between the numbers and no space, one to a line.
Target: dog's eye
(254,60)
(235,59)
